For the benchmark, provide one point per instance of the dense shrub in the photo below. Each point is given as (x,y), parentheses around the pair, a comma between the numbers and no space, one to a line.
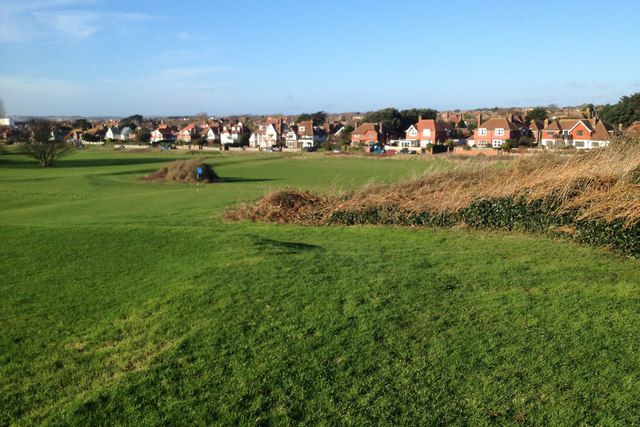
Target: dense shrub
(592,197)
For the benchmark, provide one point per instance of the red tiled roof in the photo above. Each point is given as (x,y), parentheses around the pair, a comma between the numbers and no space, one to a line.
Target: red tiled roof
(498,123)
(308,128)
(366,127)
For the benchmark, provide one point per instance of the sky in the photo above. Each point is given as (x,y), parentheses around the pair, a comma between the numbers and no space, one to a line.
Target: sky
(158,58)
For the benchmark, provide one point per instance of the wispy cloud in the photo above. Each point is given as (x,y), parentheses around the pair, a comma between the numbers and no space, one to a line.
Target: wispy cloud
(58,20)
(576,85)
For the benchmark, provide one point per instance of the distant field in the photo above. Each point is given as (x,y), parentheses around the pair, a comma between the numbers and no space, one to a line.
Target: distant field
(130,302)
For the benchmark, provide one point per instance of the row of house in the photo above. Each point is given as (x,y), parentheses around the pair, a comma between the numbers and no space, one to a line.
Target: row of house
(419,136)
(276,132)
(213,132)
(579,133)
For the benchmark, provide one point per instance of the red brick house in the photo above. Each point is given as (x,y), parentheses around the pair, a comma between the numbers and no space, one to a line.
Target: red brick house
(579,133)
(164,133)
(189,133)
(368,134)
(429,131)
(495,132)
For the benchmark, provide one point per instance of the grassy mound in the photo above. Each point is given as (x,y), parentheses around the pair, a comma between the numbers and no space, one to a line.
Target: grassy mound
(594,195)
(184,171)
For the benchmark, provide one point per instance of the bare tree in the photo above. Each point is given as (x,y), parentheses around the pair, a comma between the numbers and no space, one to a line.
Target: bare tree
(44,144)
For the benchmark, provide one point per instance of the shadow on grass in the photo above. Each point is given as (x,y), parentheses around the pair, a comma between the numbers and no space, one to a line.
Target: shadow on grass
(239,179)
(17,161)
(109,161)
(278,247)
(80,163)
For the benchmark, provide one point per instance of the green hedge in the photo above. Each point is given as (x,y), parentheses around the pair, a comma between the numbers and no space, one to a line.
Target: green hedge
(507,214)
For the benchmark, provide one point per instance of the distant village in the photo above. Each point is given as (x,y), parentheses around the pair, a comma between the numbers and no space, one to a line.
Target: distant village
(490,130)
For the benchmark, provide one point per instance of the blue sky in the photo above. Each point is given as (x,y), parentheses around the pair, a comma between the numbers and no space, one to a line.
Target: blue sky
(94,57)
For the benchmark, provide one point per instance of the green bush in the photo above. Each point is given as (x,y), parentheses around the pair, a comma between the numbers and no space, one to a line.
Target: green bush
(507,214)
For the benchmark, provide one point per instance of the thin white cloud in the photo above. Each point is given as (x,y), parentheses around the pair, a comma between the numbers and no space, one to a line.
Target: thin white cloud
(178,74)
(61,20)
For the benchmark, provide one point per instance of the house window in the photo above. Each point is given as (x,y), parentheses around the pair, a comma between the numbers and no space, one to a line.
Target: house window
(482,132)
(550,134)
(580,133)
(356,135)
(496,143)
(413,132)
(426,132)
(579,144)
(302,128)
(499,132)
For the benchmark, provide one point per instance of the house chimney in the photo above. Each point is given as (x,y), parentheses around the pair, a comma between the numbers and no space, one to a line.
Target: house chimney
(420,117)
(479,119)
(546,122)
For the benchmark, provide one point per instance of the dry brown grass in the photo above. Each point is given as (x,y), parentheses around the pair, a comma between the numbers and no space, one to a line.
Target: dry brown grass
(184,171)
(600,184)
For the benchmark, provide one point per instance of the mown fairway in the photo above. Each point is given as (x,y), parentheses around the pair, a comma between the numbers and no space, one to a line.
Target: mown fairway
(129,302)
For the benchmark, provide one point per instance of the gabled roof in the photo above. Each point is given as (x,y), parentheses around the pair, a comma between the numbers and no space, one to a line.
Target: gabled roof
(441,126)
(536,125)
(498,123)
(602,130)
(190,128)
(307,126)
(366,127)
(599,129)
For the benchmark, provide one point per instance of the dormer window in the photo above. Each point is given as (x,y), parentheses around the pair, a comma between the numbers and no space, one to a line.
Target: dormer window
(302,128)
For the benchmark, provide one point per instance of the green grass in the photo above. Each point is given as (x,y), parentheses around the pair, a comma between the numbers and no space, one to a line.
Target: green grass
(130,302)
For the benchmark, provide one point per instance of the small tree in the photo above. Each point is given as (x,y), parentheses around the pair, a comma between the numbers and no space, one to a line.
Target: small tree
(44,144)
(345,135)
(538,113)
(143,135)
(81,124)
(244,139)
(526,141)
(512,142)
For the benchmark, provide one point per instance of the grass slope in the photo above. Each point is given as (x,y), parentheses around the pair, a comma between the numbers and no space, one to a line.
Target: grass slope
(132,303)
